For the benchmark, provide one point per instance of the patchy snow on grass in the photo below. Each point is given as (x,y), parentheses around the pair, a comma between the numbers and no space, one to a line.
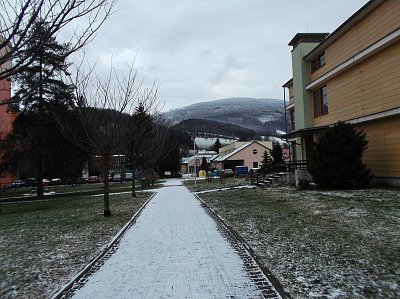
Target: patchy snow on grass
(321,244)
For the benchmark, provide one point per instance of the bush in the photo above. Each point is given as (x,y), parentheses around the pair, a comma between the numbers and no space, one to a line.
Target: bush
(336,160)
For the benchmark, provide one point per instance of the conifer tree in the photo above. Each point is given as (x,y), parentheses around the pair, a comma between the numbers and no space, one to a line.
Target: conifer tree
(266,163)
(38,88)
(217,145)
(277,156)
(337,158)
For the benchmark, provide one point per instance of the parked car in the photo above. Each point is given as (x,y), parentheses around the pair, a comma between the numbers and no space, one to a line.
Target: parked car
(31,182)
(56,181)
(128,176)
(93,179)
(228,172)
(116,177)
(46,182)
(18,184)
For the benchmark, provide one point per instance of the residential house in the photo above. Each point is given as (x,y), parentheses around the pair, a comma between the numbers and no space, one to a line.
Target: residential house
(188,163)
(352,75)
(248,154)
(6,118)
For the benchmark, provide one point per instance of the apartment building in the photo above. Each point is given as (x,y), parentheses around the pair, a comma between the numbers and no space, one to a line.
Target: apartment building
(352,75)
(6,117)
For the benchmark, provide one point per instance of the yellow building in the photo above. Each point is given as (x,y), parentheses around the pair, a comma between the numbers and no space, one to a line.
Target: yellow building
(352,75)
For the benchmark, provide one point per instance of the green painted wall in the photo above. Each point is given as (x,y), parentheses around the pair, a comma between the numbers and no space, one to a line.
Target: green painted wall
(302,99)
(301,77)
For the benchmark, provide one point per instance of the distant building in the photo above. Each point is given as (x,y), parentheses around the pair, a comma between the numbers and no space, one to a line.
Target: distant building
(248,154)
(6,118)
(351,75)
(188,163)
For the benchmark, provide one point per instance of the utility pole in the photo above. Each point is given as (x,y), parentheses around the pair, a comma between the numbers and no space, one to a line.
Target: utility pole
(195,161)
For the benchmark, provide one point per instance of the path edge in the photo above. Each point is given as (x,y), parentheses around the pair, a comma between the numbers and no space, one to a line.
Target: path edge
(116,239)
(274,281)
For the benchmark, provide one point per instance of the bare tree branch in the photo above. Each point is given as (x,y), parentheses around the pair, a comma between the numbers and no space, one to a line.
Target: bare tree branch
(18,17)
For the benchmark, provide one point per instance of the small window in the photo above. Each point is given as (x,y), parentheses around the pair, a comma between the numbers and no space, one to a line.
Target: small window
(318,62)
(255,164)
(320,101)
(255,151)
(292,119)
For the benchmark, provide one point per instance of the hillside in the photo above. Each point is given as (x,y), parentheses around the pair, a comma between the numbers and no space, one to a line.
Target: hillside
(263,116)
(213,129)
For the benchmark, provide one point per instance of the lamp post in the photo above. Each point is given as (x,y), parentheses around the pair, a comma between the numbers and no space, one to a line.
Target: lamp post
(195,161)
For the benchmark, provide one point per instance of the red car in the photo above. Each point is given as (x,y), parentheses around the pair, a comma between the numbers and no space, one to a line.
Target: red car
(94,179)
(46,182)
(228,173)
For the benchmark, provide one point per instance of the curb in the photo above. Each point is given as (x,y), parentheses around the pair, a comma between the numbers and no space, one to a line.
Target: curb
(274,281)
(106,249)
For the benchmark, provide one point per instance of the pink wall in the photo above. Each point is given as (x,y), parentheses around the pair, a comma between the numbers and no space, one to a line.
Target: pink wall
(252,153)
(6,120)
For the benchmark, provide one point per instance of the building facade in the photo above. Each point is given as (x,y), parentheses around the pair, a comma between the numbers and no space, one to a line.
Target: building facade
(351,75)
(6,118)
(248,154)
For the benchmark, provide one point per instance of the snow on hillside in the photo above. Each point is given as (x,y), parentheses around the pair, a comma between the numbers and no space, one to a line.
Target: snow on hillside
(264,116)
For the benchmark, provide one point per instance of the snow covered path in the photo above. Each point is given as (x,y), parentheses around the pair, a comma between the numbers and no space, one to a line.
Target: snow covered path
(174,250)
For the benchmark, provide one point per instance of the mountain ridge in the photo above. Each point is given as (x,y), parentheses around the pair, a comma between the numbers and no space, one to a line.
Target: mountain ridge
(262,115)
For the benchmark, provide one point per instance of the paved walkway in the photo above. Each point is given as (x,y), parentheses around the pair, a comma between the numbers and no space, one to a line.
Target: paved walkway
(174,250)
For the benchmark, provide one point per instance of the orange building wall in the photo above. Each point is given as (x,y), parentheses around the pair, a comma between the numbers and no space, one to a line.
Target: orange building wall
(6,120)
(382,21)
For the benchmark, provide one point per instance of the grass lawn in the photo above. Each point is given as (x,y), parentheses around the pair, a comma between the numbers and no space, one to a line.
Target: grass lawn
(43,244)
(81,188)
(320,244)
(215,183)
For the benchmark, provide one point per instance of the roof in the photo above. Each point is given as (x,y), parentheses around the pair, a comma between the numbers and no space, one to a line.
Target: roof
(288,83)
(307,37)
(302,132)
(223,158)
(355,18)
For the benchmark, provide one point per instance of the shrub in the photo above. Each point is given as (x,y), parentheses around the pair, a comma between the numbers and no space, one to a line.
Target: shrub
(336,160)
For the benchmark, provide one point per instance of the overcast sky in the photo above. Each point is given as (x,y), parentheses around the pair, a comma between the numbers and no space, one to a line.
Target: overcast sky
(202,50)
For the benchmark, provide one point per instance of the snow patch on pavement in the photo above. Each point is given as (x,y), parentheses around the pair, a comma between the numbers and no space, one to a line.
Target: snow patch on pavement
(173,251)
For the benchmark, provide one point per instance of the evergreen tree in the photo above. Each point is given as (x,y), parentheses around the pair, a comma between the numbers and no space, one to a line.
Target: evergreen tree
(217,145)
(277,156)
(204,164)
(266,163)
(337,157)
(139,139)
(39,88)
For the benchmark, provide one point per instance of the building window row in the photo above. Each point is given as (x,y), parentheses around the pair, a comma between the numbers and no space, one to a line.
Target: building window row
(318,62)
(320,101)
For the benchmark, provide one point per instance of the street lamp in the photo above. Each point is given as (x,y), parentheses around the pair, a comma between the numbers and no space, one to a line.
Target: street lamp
(195,161)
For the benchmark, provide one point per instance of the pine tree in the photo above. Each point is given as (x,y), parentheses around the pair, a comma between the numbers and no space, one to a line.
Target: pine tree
(39,88)
(204,164)
(266,163)
(337,158)
(277,156)
(217,145)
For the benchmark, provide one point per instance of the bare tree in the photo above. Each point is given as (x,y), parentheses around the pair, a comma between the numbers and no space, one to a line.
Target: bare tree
(17,18)
(140,132)
(102,108)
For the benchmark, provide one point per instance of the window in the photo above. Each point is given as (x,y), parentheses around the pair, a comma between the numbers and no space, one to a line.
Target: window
(254,151)
(318,62)
(320,101)
(292,119)
(255,164)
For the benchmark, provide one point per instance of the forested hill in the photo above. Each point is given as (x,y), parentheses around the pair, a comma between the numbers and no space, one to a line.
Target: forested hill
(263,116)
(213,129)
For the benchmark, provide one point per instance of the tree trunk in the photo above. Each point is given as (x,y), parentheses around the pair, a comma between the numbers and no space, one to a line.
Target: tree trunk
(39,174)
(133,182)
(106,181)
(39,154)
